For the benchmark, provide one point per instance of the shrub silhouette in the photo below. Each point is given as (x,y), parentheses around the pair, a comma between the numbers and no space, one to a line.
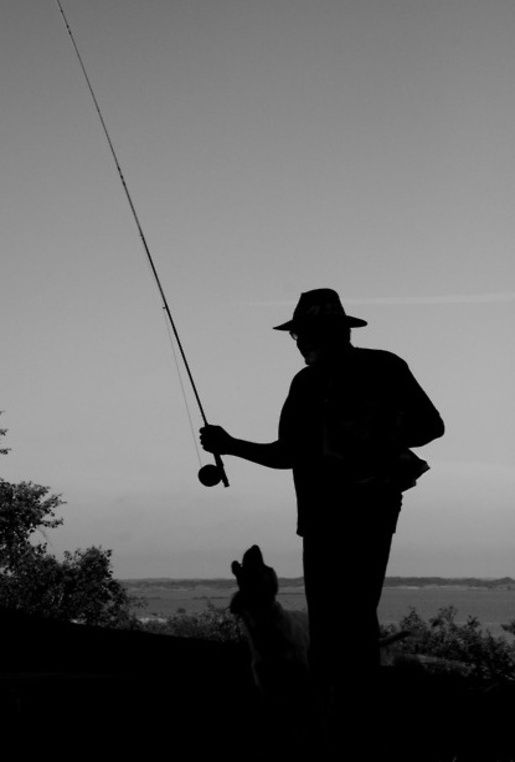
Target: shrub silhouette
(214,623)
(486,657)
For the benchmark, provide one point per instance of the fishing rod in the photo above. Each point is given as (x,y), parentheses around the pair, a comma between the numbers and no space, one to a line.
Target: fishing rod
(211,474)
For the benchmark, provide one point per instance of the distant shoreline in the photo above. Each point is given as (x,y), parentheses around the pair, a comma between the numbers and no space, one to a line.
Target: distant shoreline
(459,583)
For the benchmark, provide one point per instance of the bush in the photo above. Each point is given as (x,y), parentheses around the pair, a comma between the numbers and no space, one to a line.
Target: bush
(79,588)
(487,657)
(212,624)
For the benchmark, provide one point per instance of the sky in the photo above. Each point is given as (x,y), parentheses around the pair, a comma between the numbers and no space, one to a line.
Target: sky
(270,148)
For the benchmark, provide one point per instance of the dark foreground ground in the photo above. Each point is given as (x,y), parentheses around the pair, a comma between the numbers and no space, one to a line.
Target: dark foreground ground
(70,691)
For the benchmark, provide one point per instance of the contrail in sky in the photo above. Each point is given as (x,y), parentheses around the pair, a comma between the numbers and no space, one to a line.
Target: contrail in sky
(507,296)
(491,298)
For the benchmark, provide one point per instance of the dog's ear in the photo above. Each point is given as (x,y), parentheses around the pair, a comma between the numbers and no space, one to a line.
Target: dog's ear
(253,556)
(236,568)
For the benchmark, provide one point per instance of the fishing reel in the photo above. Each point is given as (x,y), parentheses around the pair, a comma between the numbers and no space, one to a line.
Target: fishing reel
(213,474)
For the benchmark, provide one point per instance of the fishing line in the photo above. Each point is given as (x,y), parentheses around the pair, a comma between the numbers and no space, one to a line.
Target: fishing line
(208,475)
(183,389)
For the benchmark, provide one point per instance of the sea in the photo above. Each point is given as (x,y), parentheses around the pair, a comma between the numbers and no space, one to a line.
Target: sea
(491,606)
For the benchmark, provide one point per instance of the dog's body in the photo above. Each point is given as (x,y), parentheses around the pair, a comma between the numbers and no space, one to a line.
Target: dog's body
(279,642)
(278,639)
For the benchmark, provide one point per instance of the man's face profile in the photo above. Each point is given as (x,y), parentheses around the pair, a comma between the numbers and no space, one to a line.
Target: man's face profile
(318,344)
(309,345)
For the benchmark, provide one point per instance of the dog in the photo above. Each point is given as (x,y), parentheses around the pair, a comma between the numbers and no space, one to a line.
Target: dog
(278,639)
(279,643)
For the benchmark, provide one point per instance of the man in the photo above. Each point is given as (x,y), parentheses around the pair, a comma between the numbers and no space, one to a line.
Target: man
(346,429)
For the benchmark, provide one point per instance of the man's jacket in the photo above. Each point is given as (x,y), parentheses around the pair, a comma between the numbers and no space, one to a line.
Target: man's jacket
(348,425)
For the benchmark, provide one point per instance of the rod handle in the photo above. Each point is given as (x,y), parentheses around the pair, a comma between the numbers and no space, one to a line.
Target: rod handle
(221,468)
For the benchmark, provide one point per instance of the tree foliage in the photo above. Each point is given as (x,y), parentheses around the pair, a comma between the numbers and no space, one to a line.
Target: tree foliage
(3,432)
(79,588)
(25,509)
(488,657)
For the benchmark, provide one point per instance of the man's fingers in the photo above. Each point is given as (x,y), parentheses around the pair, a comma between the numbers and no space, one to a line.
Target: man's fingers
(204,437)
(212,438)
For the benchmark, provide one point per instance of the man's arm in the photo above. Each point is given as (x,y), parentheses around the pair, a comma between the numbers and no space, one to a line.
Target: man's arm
(420,421)
(271,454)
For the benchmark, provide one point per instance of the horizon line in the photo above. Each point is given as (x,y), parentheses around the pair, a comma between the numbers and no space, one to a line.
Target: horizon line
(390,576)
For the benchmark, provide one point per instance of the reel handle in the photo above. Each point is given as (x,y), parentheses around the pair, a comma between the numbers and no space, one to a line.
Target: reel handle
(221,468)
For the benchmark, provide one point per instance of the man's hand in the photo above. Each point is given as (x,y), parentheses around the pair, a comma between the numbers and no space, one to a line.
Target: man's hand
(215,439)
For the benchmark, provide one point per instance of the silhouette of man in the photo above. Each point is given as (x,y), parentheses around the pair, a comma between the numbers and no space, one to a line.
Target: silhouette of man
(346,429)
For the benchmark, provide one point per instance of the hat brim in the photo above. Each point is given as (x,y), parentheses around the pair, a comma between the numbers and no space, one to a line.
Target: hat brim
(292,325)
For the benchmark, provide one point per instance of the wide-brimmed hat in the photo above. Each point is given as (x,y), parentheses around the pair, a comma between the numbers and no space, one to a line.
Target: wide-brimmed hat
(318,309)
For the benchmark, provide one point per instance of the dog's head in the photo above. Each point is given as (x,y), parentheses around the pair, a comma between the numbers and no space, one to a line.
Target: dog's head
(257,582)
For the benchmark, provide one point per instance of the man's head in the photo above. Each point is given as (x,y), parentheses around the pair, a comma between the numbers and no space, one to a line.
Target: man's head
(320,325)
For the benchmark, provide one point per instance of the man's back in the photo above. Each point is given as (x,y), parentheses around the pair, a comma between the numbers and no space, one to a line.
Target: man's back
(351,420)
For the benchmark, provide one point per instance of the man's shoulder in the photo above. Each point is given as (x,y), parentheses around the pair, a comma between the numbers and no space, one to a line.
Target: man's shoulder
(378,357)
(362,359)
(303,376)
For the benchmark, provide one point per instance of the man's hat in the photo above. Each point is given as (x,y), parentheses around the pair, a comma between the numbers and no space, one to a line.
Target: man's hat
(320,307)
